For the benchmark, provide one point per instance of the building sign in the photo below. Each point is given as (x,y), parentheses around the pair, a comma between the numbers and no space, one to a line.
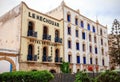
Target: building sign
(43,19)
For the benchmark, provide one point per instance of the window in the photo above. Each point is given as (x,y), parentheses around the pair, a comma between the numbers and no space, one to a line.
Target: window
(77,46)
(101,41)
(95,41)
(83,47)
(90,37)
(68,17)
(30,52)
(91,61)
(102,50)
(76,21)
(30,28)
(90,49)
(78,59)
(103,63)
(82,24)
(69,44)
(84,60)
(77,33)
(96,61)
(83,35)
(100,31)
(96,50)
(88,26)
(93,29)
(69,58)
(69,30)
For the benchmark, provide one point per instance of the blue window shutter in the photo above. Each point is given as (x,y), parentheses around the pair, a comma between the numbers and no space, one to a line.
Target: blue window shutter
(10,67)
(88,26)
(78,59)
(82,24)
(84,60)
(68,18)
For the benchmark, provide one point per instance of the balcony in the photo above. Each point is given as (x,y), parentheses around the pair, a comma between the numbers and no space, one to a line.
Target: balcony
(32,57)
(46,37)
(46,58)
(57,39)
(58,59)
(32,33)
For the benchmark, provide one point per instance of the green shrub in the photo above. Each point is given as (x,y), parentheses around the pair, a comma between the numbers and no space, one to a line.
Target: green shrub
(108,76)
(31,76)
(65,67)
(82,77)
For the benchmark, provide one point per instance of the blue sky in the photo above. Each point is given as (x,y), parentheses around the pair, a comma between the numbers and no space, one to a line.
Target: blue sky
(104,10)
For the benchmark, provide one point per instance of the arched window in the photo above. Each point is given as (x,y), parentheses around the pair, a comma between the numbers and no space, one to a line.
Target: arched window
(57,58)
(68,17)
(57,33)
(101,41)
(69,44)
(69,30)
(83,46)
(69,58)
(78,59)
(83,35)
(76,33)
(82,24)
(88,26)
(102,50)
(30,52)
(45,51)
(96,61)
(76,21)
(77,46)
(84,60)
(95,40)
(93,29)
(101,32)
(91,62)
(90,37)
(90,48)
(96,51)
(103,62)
(30,28)
(45,30)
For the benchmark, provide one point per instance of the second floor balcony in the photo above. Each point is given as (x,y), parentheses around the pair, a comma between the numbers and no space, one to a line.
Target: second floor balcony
(46,58)
(58,59)
(31,57)
(32,33)
(57,39)
(46,37)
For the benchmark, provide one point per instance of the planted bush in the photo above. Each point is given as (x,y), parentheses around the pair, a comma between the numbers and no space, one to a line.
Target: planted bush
(82,77)
(31,76)
(108,76)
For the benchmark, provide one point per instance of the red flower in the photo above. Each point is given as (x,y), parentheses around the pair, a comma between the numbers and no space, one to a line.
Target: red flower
(90,68)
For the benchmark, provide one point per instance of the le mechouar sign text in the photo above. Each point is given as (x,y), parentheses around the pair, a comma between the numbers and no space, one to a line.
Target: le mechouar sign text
(40,18)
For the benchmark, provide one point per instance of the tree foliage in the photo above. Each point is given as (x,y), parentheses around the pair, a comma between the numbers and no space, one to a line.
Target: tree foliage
(65,67)
(115,51)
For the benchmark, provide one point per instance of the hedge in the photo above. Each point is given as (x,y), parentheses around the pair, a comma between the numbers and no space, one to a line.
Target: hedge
(22,76)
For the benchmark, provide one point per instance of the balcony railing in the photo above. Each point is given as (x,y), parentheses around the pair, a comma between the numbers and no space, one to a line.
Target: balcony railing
(57,39)
(58,59)
(46,58)
(32,33)
(46,37)
(32,57)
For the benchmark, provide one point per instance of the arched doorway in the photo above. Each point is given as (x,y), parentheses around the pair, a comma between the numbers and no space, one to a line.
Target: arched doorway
(10,61)
(52,71)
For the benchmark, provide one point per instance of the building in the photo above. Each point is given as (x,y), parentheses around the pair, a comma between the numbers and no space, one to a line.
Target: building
(36,38)
(85,41)
(42,41)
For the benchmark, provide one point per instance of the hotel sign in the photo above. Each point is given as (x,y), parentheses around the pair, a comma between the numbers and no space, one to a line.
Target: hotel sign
(43,19)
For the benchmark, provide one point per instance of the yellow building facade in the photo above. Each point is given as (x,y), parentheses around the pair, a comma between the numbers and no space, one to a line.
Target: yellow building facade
(41,46)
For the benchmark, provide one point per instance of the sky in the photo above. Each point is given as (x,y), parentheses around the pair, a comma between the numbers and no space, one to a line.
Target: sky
(103,10)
